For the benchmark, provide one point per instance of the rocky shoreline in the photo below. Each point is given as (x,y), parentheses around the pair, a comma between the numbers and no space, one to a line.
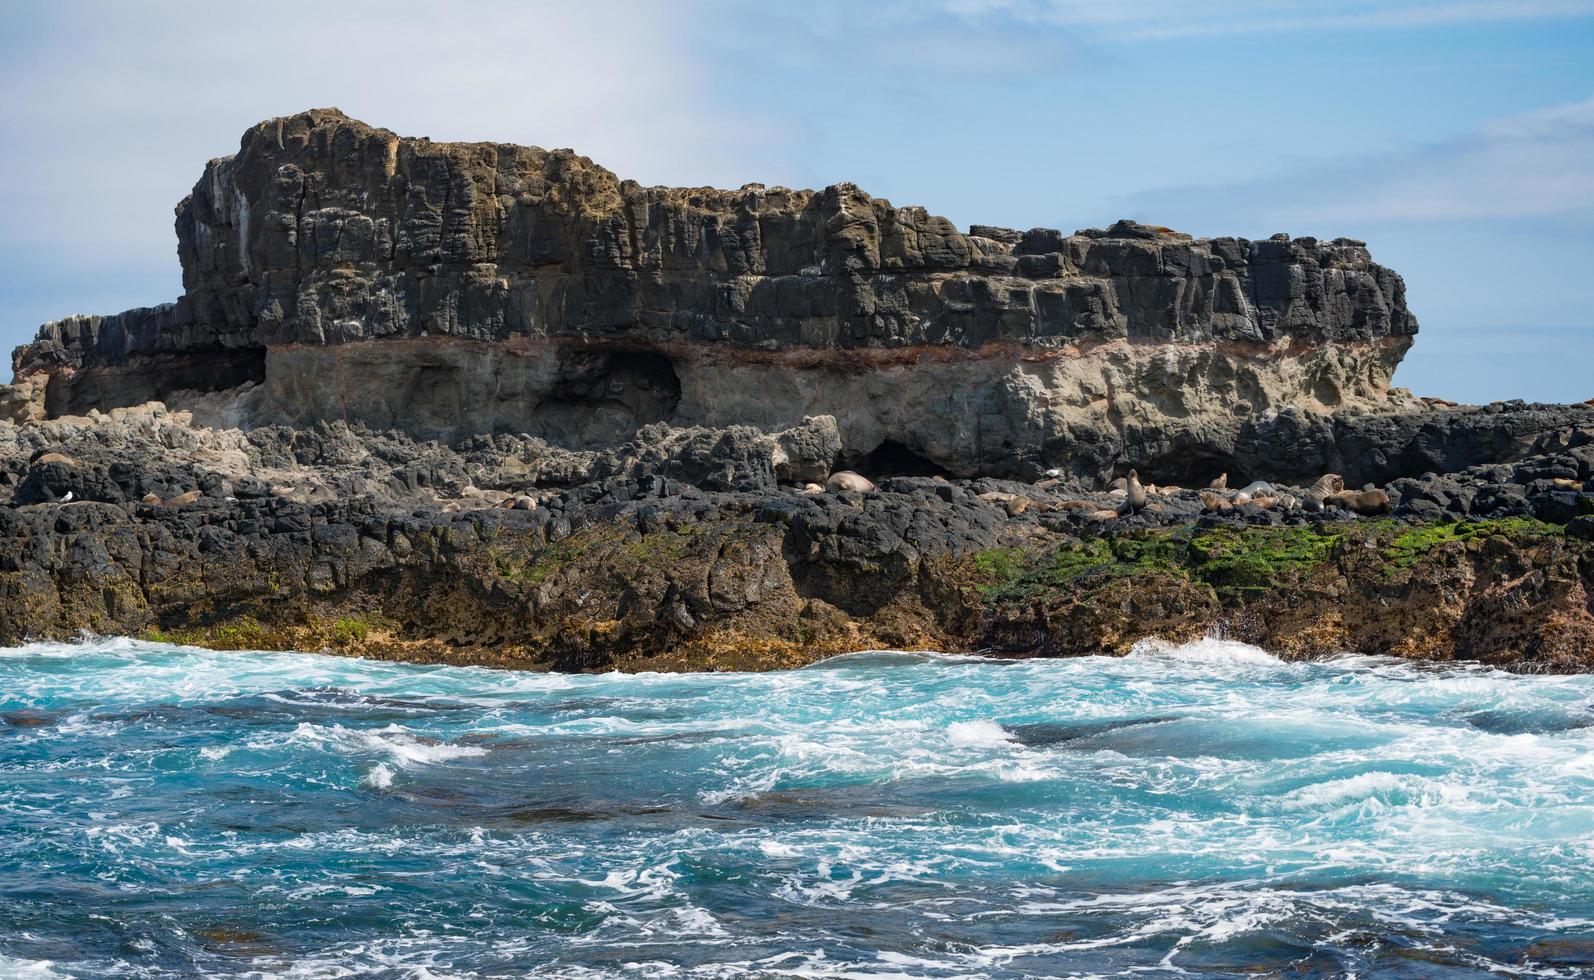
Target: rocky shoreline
(472,403)
(685,550)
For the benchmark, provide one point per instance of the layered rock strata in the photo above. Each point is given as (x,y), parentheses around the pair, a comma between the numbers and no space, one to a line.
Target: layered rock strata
(452,289)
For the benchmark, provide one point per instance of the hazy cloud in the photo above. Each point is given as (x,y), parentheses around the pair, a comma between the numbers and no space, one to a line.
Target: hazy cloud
(1164,19)
(1536,167)
(111,107)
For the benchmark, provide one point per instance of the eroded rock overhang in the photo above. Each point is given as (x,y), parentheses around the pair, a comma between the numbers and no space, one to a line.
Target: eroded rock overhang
(335,270)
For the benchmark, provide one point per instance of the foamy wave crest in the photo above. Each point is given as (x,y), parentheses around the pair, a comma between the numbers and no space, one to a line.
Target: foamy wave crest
(1207,650)
(1376,789)
(403,746)
(16,969)
(380,776)
(978,734)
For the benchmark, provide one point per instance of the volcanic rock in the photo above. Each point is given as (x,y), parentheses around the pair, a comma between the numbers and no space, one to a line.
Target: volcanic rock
(333,270)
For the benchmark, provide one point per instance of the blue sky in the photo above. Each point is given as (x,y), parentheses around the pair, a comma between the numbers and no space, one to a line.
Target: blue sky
(1456,137)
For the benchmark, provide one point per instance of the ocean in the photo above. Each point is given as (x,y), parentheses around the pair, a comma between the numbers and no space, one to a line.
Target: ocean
(1200,810)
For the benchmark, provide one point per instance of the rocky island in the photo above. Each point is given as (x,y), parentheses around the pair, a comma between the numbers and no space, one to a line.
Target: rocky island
(484,403)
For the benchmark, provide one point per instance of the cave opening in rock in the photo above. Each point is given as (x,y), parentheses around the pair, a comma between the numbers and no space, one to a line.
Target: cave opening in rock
(154,377)
(601,396)
(1192,467)
(892,458)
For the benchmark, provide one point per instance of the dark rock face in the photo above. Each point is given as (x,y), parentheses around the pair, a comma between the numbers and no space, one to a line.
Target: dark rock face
(514,289)
(1377,447)
(688,548)
(323,230)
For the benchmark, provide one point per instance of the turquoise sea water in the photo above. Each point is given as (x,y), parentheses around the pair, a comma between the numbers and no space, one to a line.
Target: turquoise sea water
(1206,810)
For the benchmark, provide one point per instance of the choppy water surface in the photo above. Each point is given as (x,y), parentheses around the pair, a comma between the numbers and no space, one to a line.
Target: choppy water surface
(1204,810)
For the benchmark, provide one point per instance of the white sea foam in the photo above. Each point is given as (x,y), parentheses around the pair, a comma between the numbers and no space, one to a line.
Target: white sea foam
(981,733)
(401,745)
(1378,788)
(379,776)
(1209,650)
(12,968)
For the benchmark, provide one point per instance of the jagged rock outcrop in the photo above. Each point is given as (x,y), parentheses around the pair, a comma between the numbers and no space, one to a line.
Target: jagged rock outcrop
(333,270)
(688,548)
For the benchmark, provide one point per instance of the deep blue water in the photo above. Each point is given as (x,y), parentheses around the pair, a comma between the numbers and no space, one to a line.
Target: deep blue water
(1205,810)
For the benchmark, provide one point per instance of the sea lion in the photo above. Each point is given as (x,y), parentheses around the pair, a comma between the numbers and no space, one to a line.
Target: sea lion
(182,499)
(1134,495)
(848,481)
(1364,502)
(1213,503)
(1221,483)
(1326,484)
(1256,488)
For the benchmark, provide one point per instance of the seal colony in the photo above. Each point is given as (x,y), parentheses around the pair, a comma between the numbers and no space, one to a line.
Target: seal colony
(484,403)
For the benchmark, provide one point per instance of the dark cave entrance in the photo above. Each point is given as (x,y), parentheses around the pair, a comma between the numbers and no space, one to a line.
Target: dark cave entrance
(643,383)
(154,377)
(892,458)
(1192,467)
(604,395)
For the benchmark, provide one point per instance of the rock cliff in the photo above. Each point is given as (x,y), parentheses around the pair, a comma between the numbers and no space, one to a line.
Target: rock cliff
(333,270)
